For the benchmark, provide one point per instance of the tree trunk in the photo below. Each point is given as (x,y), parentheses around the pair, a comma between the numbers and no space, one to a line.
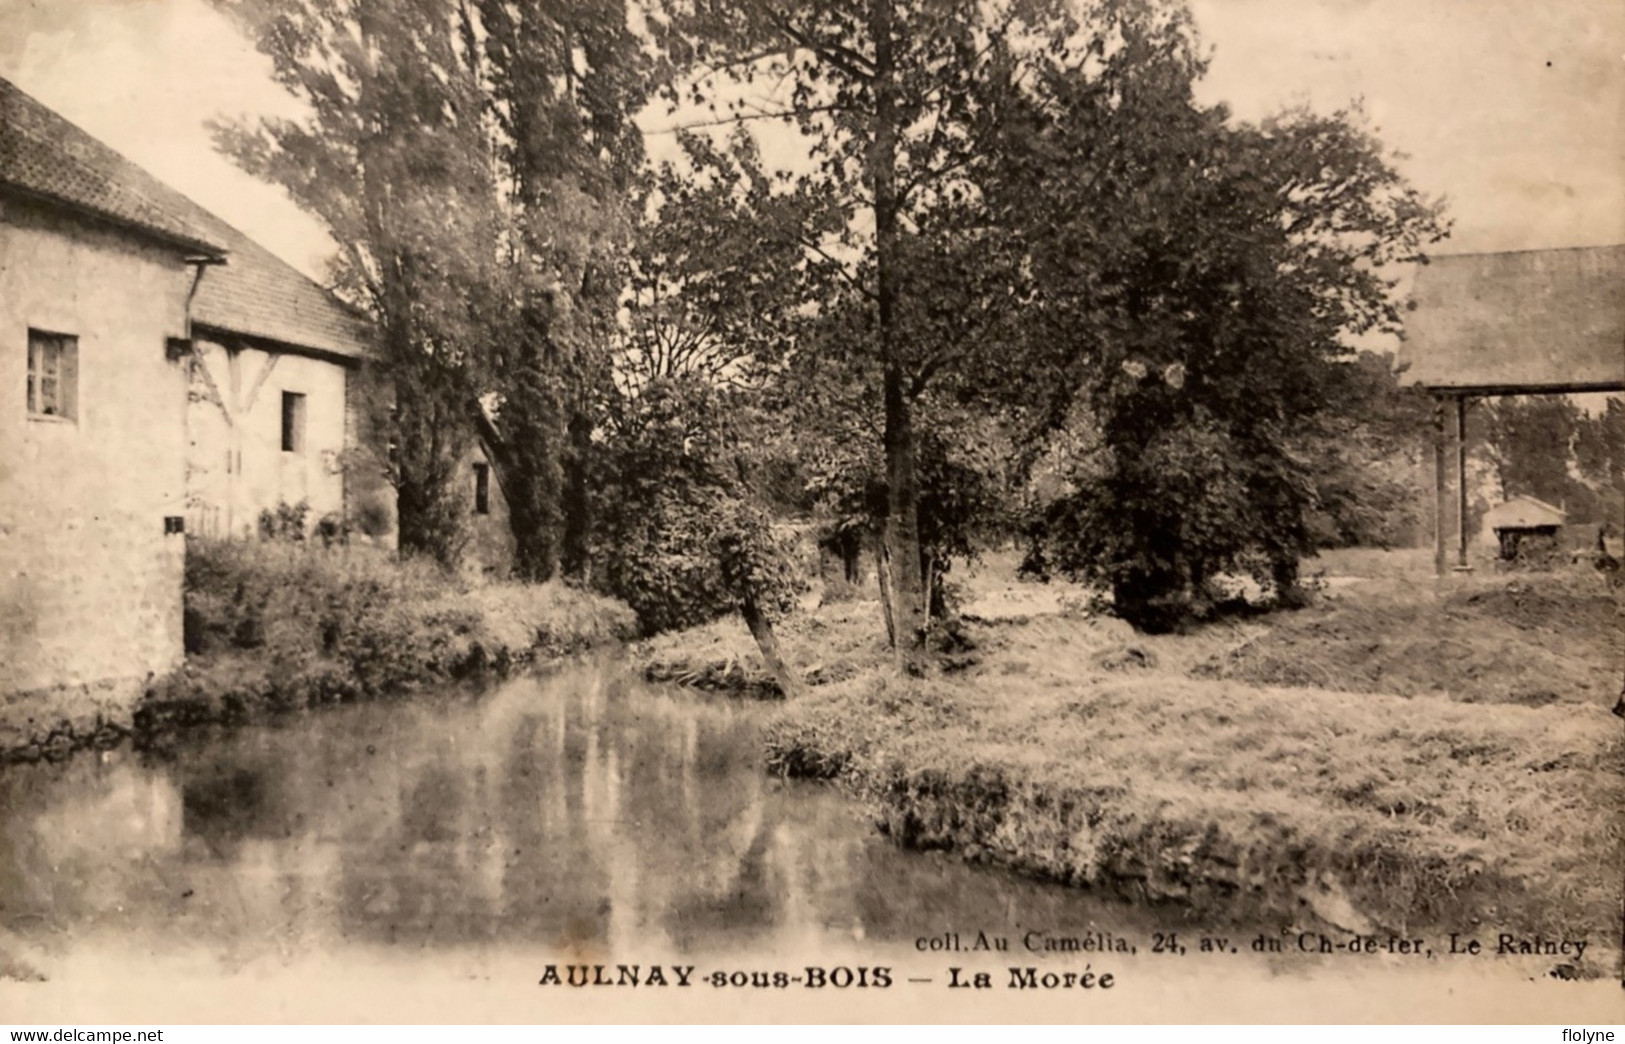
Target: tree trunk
(903,526)
(576,555)
(851,564)
(761,628)
(883,580)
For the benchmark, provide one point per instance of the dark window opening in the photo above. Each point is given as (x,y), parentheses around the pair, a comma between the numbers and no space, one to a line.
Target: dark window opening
(293,422)
(482,489)
(53,375)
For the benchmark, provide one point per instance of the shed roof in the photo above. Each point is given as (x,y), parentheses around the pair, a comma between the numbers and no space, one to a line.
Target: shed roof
(1521,322)
(254,294)
(1524,513)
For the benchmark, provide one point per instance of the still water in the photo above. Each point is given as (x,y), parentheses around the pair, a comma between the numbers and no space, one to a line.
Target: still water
(581,813)
(427,860)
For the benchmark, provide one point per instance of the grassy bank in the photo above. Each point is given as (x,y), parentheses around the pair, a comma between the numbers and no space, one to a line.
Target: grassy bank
(1464,773)
(273,627)
(1523,638)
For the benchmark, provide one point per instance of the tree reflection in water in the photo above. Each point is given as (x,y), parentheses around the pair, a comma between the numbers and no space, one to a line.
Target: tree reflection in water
(579,813)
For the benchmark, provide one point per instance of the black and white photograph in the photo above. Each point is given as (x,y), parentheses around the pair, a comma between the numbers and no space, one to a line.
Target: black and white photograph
(812,511)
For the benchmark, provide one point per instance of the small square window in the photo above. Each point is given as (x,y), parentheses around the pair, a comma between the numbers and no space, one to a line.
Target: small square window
(53,375)
(482,489)
(293,422)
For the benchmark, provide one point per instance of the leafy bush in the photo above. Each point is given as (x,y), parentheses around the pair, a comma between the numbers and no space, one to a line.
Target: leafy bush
(679,539)
(332,528)
(283,624)
(1156,522)
(373,517)
(287,522)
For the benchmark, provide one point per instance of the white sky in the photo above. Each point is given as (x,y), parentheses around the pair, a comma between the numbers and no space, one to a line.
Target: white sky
(1513,109)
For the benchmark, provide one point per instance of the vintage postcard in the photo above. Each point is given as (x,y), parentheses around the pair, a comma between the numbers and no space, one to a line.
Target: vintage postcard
(832,511)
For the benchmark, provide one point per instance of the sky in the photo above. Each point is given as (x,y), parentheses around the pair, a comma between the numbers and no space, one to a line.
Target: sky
(1513,110)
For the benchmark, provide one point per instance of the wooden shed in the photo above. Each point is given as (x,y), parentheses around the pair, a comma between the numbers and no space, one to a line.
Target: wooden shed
(1519,519)
(1531,322)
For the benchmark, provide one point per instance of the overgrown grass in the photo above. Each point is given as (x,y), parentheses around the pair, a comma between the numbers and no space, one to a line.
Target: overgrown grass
(1442,797)
(1528,638)
(1235,798)
(839,641)
(273,626)
(1413,563)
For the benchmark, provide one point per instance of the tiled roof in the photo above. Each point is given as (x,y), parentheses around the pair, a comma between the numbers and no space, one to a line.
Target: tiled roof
(1533,320)
(254,293)
(44,155)
(258,294)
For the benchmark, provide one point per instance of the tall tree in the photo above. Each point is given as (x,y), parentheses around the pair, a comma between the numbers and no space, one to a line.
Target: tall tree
(715,283)
(718,281)
(393,158)
(892,95)
(1198,281)
(563,83)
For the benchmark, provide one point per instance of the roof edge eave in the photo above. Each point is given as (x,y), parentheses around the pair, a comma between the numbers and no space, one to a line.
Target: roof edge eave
(266,342)
(202,250)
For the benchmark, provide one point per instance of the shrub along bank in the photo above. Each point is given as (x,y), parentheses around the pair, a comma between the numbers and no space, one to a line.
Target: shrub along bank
(274,626)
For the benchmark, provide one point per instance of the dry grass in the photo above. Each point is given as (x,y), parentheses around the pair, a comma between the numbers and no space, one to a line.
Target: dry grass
(1073,749)
(1530,639)
(1371,563)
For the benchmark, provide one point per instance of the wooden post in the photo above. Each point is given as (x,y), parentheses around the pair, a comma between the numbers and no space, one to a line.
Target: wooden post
(1461,481)
(1441,497)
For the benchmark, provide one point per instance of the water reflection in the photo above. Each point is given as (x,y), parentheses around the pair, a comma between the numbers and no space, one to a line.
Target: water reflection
(580,812)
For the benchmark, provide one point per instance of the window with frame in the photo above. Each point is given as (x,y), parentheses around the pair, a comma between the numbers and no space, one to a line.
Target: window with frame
(53,375)
(482,489)
(293,422)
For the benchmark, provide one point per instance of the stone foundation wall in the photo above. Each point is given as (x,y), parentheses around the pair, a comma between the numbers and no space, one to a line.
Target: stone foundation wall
(50,723)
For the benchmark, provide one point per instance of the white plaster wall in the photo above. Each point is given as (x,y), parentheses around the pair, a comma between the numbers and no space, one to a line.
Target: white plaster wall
(226,500)
(90,585)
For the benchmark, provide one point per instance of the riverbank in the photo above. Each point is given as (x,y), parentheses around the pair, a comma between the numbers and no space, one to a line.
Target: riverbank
(1446,759)
(274,627)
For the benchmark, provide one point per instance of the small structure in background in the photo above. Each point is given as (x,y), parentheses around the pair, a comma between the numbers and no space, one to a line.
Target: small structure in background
(1521,520)
(1531,322)
(491,546)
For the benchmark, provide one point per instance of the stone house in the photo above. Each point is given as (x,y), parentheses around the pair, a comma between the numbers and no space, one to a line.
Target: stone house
(98,262)
(115,448)
(160,373)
